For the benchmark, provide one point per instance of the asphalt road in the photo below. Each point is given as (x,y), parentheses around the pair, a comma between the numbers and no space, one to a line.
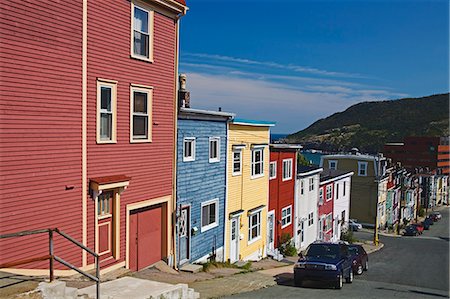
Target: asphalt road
(407,267)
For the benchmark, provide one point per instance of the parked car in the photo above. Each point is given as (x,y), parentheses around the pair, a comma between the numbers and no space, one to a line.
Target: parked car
(324,262)
(411,230)
(353,225)
(437,215)
(419,227)
(360,259)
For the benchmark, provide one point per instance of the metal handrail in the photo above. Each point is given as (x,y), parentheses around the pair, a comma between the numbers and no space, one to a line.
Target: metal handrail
(52,257)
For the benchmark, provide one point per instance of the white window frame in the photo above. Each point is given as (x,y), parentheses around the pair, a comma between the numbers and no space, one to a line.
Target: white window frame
(253,163)
(329,193)
(320,196)
(150,21)
(113,86)
(286,220)
(213,224)
(311,184)
(144,89)
(287,169)
(191,140)
(257,226)
(328,223)
(302,187)
(337,190)
(214,159)
(273,170)
(310,218)
(331,162)
(343,188)
(360,164)
(237,151)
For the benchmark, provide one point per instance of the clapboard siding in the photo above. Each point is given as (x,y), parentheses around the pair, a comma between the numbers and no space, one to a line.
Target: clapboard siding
(199,181)
(40,126)
(150,165)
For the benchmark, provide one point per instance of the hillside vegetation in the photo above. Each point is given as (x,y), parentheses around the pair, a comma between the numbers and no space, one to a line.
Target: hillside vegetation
(368,125)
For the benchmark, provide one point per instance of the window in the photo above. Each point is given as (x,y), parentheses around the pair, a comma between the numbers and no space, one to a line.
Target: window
(188,149)
(362,168)
(210,214)
(328,223)
(142,31)
(343,216)
(301,231)
(254,226)
(332,164)
(343,189)
(320,196)
(311,184)
(273,170)
(105,203)
(237,162)
(329,193)
(286,216)
(302,187)
(140,118)
(287,169)
(214,149)
(310,218)
(337,190)
(257,162)
(106,111)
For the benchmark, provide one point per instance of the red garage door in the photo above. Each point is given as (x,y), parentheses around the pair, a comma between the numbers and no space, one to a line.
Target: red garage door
(146,237)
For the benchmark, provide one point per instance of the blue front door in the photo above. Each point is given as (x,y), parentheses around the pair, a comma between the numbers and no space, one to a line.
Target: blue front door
(184,229)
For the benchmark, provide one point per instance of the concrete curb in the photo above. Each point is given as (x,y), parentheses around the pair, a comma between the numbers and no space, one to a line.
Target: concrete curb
(379,247)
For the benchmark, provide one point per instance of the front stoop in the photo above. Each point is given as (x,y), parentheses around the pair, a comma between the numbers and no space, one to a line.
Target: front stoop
(135,288)
(191,268)
(57,290)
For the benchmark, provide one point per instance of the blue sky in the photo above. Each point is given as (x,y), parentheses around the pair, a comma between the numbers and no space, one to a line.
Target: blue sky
(295,62)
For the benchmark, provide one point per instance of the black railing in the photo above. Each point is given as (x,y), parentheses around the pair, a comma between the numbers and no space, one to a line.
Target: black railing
(52,257)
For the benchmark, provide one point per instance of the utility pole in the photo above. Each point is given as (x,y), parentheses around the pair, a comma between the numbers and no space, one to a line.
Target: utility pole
(377,180)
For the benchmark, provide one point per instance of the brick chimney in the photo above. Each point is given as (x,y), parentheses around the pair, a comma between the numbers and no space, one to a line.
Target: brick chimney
(184,96)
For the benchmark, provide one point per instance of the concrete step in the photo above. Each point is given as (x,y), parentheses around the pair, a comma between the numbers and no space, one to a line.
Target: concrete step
(52,290)
(191,268)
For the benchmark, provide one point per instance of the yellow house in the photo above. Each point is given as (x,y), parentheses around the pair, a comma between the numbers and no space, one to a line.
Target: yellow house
(247,189)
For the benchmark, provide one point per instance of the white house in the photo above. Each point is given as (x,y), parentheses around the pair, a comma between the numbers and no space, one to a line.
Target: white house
(306,208)
(341,204)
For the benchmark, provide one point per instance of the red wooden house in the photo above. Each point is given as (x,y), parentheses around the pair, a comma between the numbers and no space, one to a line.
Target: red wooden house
(325,216)
(87,133)
(282,173)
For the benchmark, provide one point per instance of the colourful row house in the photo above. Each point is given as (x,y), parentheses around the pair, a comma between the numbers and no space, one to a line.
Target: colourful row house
(248,190)
(201,184)
(93,152)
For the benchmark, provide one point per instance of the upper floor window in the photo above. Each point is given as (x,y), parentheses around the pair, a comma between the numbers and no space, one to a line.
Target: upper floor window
(343,189)
(320,196)
(311,184)
(329,193)
(332,164)
(287,169)
(302,187)
(106,111)
(273,170)
(189,149)
(140,118)
(257,162)
(142,31)
(337,190)
(362,168)
(237,162)
(214,149)
(310,218)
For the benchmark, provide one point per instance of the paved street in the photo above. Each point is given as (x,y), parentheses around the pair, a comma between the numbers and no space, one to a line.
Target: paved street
(407,267)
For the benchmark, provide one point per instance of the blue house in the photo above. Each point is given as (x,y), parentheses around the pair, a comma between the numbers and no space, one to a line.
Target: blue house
(201,184)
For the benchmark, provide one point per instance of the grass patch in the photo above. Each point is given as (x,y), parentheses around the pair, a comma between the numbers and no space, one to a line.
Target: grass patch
(214,265)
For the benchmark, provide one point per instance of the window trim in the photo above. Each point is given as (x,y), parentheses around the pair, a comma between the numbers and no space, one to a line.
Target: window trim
(259,237)
(310,219)
(217,159)
(302,187)
(290,216)
(311,184)
(151,17)
(233,173)
(253,164)
(113,85)
(190,158)
(335,164)
(326,193)
(359,168)
(337,190)
(273,163)
(149,91)
(321,196)
(288,161)
(211,225)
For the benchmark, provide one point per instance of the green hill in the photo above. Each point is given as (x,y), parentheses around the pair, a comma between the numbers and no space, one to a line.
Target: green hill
(368,125)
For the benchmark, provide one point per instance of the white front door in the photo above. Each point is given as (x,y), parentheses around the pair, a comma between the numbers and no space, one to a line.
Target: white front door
(234,240)
(301,233)
(271,230)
